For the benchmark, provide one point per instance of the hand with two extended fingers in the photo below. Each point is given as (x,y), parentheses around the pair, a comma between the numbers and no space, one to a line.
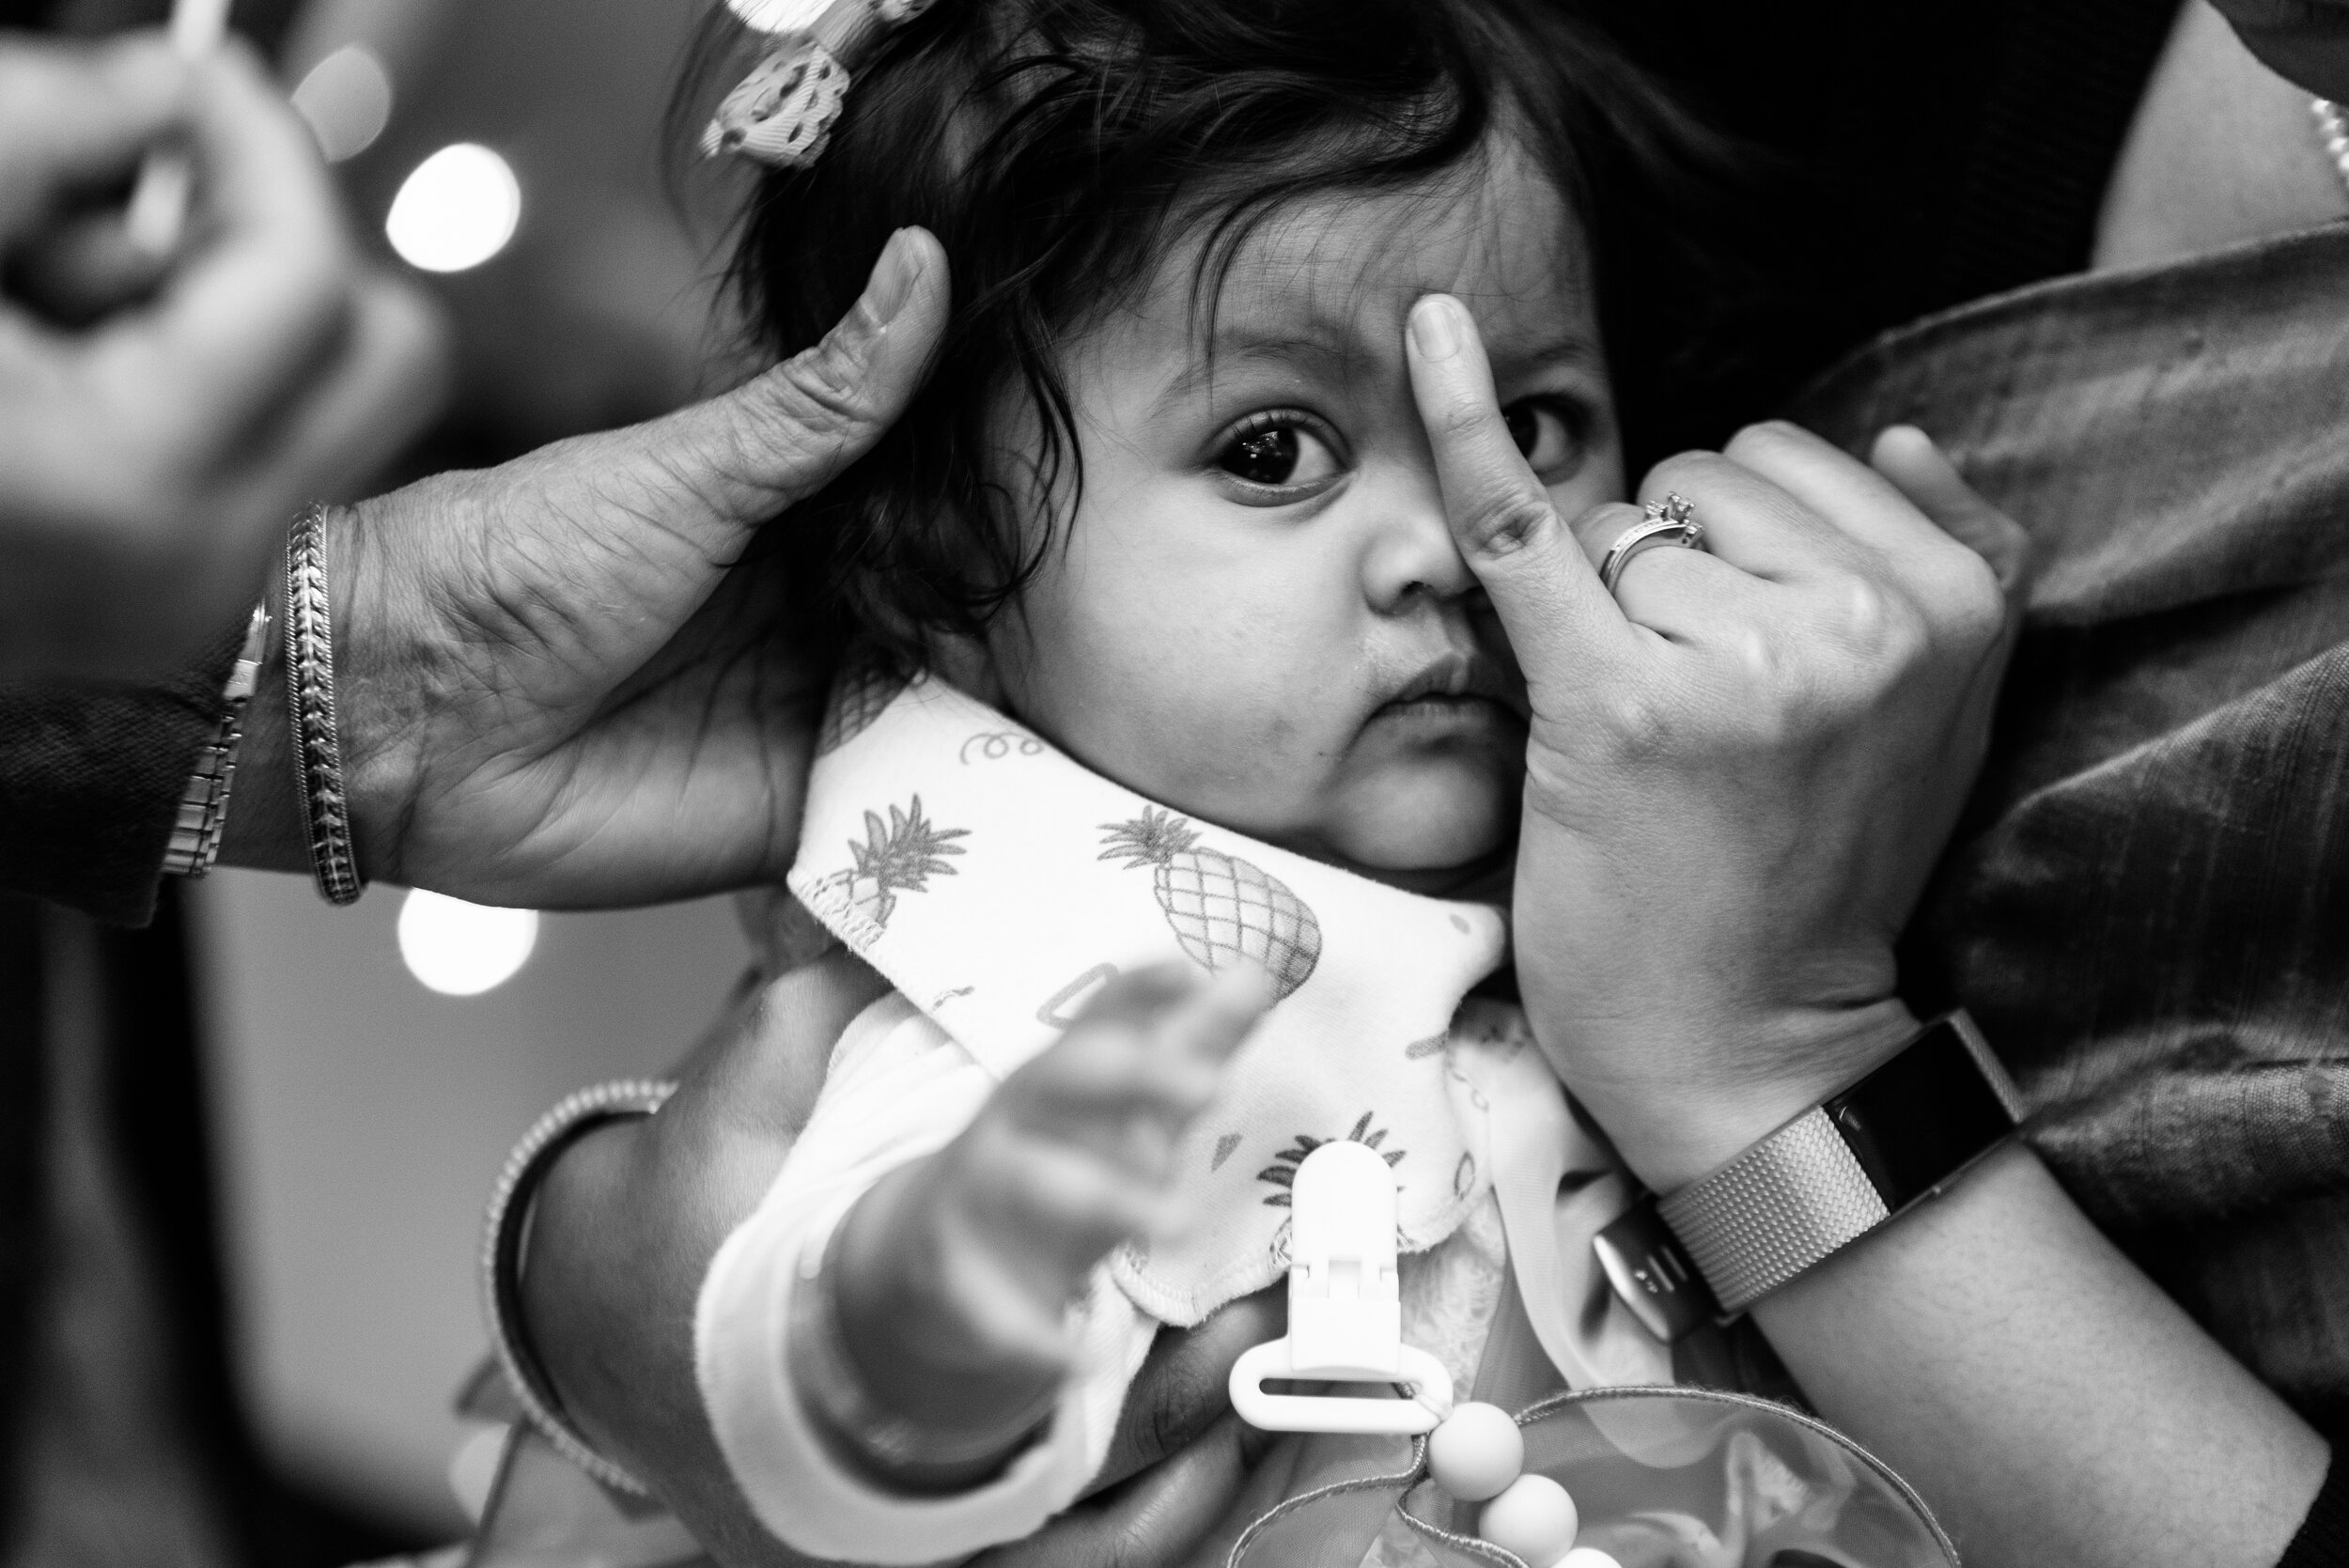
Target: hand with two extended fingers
(1743,764)
(161,418)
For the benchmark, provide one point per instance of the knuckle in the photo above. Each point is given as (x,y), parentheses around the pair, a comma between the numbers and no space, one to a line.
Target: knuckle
(825,392)
(1682,470)
(1463,421)
(1507,523)
(1763,435)
(1636,724)
(1975,601)
(1879,629)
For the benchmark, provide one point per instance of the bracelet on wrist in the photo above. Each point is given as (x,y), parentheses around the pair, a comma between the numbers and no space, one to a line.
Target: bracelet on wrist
(506,1234)
(203,815)
(1906,1131)
(312,724)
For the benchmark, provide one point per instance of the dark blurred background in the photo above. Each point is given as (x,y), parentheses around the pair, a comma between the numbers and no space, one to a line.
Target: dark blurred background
(366,1074)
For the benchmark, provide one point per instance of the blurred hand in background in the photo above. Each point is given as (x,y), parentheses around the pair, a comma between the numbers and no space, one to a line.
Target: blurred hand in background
(161,419)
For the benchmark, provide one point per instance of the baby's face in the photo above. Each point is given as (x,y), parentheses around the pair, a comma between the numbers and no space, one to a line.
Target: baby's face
(1256,614)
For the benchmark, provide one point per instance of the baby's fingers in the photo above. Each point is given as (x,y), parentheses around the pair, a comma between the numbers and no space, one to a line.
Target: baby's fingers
(1216,1018)
(1152,1047)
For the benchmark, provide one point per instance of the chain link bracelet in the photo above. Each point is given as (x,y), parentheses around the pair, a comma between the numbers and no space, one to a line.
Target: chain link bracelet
(312,723)
(195,832)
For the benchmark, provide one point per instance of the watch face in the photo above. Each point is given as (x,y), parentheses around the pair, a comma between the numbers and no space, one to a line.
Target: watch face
(1921,1117)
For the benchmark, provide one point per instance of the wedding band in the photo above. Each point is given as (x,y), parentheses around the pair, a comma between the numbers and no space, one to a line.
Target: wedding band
(1670,521)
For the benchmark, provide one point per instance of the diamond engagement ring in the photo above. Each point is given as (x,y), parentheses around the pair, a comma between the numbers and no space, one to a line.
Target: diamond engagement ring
(1670,521)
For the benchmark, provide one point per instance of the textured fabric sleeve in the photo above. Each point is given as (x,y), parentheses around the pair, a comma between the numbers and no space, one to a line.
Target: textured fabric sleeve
(90,778)
(2324,1538)
(899,1088)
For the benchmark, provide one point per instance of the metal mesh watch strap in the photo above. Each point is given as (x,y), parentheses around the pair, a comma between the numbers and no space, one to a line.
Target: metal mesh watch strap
(1835,1173)
(1775,1210)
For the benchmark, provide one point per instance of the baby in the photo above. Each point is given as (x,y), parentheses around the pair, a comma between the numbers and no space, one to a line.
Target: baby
(1158,662)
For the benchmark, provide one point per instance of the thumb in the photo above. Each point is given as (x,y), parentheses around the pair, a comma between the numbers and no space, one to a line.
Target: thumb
(1922,472)
(716,470)
(1561,622)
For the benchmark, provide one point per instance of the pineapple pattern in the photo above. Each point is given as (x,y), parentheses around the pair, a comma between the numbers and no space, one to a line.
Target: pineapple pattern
(1282,1173)
(1223,908)
(897,856)
(865,685)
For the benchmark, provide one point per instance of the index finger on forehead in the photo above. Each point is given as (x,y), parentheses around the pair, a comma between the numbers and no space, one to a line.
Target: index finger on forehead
(1546,594)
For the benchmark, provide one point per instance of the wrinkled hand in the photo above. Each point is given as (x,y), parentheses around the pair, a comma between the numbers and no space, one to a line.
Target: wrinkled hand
(1739,777)
(957,1271)
(161,421)
(552,690)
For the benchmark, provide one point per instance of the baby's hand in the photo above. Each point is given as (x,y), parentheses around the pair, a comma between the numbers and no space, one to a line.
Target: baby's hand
(956,1272)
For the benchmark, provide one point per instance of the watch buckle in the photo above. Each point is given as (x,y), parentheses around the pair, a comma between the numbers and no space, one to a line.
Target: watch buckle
(1653,1274)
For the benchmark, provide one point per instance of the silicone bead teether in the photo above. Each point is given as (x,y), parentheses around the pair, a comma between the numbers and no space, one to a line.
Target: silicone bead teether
(1533,1518)
(1476,1452)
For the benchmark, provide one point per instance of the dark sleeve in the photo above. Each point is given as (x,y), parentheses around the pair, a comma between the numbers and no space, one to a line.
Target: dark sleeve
(90,778)
(2324,1538)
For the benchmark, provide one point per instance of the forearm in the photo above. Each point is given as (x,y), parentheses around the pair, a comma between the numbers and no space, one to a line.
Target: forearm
(627,1221)
(2051,1403)
(609,1293)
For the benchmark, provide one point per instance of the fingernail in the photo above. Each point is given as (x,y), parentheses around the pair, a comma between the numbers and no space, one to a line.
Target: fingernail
(900,267)
(1436,327)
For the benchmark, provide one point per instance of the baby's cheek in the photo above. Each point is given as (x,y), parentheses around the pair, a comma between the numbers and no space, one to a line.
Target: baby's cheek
(1219,722)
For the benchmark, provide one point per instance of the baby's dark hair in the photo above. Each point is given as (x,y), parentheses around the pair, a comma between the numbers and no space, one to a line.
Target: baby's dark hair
(1058,148)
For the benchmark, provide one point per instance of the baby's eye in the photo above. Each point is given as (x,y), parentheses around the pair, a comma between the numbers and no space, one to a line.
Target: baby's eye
(1278,451)
(1549,435)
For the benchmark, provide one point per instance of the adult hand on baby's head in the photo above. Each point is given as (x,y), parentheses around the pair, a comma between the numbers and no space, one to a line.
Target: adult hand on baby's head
(1740,776)
(554,691)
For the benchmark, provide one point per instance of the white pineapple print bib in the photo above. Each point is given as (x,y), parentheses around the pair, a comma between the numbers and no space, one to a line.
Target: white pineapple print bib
(998,883)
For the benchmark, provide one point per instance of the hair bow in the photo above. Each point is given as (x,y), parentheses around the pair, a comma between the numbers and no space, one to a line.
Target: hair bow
(783,113)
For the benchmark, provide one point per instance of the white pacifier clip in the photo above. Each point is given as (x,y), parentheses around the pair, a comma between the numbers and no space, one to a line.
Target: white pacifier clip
(1345,1309)
(1345,1326)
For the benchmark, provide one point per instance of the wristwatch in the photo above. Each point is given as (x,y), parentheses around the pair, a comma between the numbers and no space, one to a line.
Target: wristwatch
(1897,1136)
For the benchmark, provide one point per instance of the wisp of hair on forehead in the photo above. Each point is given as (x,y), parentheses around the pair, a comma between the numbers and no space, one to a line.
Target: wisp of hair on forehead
(1060,149)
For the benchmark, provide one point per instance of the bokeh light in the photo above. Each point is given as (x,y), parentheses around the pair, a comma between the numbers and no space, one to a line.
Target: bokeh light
(462,950)
(347,100)
(456,210)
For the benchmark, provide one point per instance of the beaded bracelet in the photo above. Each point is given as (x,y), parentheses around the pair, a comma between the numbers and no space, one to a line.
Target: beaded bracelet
(504,1234)
(2332,129)
(311,720)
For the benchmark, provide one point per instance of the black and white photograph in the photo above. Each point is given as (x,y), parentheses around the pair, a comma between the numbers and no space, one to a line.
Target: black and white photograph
(1173,784)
